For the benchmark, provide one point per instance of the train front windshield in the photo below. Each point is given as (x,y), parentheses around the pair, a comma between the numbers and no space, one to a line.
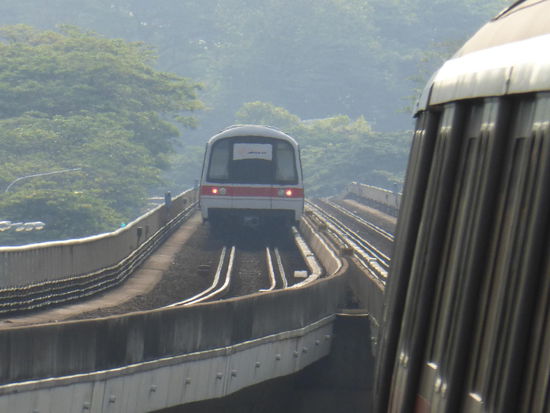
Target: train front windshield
(252,161)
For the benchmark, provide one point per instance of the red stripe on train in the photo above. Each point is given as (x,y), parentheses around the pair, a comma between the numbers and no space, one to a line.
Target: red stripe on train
(252,191)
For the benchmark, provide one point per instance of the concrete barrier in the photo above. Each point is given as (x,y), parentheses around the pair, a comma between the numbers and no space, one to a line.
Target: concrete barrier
(30,264)
(152,360)
(379,198)
(176,380)
(93,345)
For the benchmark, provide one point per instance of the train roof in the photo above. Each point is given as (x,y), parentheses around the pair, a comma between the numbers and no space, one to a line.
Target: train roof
(252,130)
(509,55)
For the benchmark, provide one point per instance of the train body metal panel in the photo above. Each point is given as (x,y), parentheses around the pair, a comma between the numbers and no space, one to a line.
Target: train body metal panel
(503,58)
(469,290)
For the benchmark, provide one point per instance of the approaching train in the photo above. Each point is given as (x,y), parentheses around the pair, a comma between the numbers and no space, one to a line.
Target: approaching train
(467,322)
(251,174)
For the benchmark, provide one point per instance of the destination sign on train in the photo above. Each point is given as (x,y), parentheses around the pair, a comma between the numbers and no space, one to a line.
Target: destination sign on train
(243,151)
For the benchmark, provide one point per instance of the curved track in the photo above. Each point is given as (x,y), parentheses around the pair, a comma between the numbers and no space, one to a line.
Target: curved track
(344,228)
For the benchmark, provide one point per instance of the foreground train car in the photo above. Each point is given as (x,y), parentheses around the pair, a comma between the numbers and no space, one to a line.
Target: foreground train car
(251,174)
(467,322)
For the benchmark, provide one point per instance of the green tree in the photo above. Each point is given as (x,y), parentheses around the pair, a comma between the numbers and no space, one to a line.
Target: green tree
(337,150)
(74,99)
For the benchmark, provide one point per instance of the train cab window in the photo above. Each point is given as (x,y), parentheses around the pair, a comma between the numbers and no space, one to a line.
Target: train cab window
(285,164)
(219,161)
(251,161)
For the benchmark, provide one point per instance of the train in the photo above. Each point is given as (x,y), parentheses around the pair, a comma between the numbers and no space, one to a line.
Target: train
(251,176)
(466,325)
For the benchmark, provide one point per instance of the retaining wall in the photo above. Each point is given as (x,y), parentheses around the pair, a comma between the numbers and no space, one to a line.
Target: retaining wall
(30,264)
(168,356)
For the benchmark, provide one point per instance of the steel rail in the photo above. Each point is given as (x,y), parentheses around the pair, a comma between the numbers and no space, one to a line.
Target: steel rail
(212,286)
(270,271)
(369,256)
(222,289)
(281,268)
(374,228)
(274,261)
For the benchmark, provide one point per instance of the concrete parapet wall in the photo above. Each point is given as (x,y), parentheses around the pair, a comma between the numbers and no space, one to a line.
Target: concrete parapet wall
(105,364)
(172,381)
(367,293)
(380,198)
(93,345)
(30,264)
(328,258)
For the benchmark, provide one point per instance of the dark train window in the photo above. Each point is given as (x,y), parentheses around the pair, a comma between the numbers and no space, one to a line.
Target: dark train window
(218,168)
(253,161)
(285,165)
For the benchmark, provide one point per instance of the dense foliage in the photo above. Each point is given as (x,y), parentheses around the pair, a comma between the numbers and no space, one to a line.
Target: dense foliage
(337,150)
(95,107)
(70,98)
(317,58)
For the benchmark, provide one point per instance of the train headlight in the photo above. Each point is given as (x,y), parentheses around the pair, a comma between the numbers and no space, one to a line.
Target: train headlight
(285,192)
(218,191)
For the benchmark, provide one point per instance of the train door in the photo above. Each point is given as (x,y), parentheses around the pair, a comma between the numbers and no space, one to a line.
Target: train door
(251,171)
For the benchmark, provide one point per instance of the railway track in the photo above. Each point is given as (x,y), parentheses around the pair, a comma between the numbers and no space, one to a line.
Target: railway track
(243,270)
(243,266)
(365,251)
(380,232)
(379,238)
(206,269)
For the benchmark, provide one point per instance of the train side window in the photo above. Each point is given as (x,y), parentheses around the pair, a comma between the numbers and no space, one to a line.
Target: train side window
(285,163)
(432,229)
(219,161)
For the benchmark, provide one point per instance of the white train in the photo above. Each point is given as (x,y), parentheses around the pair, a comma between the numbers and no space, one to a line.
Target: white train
(251,174)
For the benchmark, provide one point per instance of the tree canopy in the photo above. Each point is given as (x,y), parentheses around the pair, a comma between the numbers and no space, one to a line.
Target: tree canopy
(111,97)
(76,100)
(337,150)
(317,58)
